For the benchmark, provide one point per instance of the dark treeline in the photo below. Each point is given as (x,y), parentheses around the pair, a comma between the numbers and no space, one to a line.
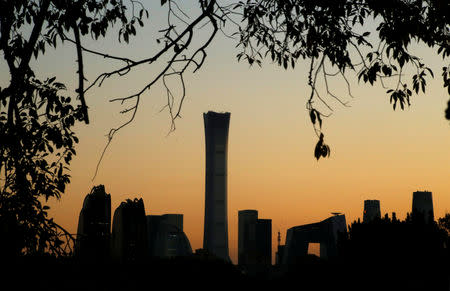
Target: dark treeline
(49,273)
(385,254)
(397,255)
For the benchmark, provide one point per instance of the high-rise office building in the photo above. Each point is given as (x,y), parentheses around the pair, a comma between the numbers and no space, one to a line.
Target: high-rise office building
(422,205)
(247,236)
(371,210)
(264,242)
(254,239)
(94,225)
(166,237)
(325,232)
(129,232)
(215,236)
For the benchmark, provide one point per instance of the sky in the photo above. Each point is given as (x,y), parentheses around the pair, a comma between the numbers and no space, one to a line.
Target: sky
(376,153)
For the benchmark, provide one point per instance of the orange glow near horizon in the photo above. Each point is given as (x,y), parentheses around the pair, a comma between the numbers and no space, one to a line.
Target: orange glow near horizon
(376,153)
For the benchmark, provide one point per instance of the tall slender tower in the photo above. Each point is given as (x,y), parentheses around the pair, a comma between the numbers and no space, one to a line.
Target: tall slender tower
(215,236)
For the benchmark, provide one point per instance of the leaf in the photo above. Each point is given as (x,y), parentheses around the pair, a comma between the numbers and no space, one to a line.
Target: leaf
(312,115)
(132,30)
(324,151)
(317,152)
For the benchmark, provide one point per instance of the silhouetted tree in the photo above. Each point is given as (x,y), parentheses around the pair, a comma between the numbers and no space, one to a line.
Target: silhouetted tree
(447,111)
(334,37)
(37,115)
(444,223)
(330,34)
(385,242)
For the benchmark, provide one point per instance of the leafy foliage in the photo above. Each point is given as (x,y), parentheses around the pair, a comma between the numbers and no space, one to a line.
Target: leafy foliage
(384,240)
(333,33)
(37,118)
(37,115)
(444,223)
(321,150)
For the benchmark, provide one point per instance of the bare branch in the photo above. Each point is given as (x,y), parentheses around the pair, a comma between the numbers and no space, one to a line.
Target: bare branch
(81,78)
(180,42)
(328,91)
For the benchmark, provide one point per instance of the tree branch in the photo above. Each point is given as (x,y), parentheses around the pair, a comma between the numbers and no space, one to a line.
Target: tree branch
(81,78)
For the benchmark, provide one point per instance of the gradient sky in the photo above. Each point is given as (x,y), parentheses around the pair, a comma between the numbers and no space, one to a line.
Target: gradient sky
(376,153)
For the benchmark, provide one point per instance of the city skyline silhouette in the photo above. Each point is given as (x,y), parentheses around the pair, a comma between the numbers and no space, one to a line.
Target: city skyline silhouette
(120,166)
(376,153)
(316,244)
(280,226)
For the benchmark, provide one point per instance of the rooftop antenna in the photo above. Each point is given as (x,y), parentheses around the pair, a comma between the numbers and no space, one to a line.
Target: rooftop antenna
(279,238)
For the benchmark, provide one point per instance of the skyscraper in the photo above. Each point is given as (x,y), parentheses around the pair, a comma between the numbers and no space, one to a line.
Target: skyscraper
(264,242)
(215,236)
(129,232)
(94,225)
(422,205)
(246,236)
(166,237)
(325,232)
(254,239)
(371,210)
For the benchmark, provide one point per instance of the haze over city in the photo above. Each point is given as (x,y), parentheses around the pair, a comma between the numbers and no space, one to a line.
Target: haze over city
(376,153)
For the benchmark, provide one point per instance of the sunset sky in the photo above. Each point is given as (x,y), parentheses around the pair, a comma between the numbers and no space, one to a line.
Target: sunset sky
(376,153)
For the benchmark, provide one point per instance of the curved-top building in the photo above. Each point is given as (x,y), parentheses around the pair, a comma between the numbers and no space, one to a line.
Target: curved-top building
(215,236)
(94,225)
(129,231)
